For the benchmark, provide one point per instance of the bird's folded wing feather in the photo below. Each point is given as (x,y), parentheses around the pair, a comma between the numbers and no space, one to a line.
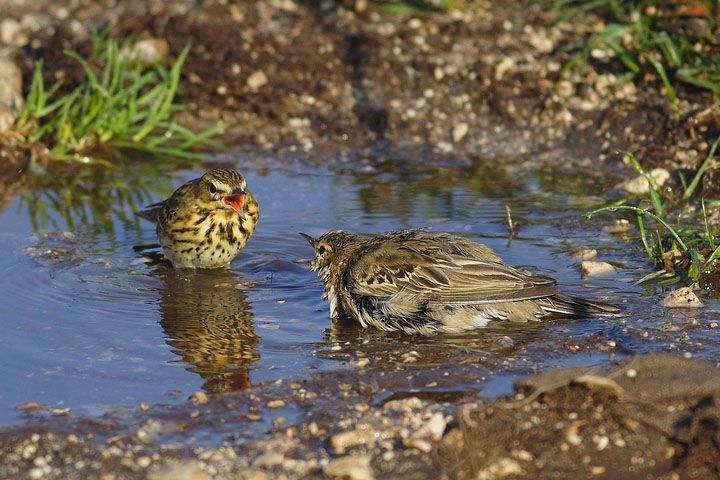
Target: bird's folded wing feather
(151,212)
(444,278)
(161,212)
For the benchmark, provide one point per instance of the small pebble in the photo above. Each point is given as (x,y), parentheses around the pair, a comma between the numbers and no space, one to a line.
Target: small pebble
(572,436)
(257,80)
(597,470)
(350,467)
(268,459)
(418,444)
(584,255)
(360,362)
(31,406)
(434,428)
(362,435)
(596,269)
(523,455)
(149,50)
(460,131)
(681,297)
(601,441)
(36,473)
(503,467)
(180,471)
(619,226)
(639,185)
(403,404)
(199,398)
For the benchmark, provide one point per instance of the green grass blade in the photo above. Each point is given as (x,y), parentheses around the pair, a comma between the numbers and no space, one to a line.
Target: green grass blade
(698,176)
(706,223)
(711,259)
(653,187)
(662,222)
(690,75)
(665,80)
(174,79)
(651,276)
(695,259)
(641,227)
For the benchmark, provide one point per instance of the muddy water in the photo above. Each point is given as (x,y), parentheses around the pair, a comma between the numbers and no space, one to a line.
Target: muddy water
(93,320)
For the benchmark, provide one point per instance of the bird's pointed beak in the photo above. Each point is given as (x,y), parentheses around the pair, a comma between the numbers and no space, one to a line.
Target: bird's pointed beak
(236,201)
(312,243)
(309,239)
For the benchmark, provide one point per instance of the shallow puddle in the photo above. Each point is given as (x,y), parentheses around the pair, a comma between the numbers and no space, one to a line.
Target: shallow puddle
(92,320)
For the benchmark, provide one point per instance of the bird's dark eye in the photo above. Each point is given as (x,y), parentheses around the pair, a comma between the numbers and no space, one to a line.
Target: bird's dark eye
(321,249)
(212,188)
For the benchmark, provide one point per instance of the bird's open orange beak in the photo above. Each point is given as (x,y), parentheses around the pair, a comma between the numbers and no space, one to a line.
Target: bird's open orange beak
(235,201)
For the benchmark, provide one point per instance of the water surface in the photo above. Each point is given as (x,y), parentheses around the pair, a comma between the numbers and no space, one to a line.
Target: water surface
(93,320)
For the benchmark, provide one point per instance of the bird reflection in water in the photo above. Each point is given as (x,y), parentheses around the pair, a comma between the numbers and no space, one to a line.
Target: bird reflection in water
(208,323)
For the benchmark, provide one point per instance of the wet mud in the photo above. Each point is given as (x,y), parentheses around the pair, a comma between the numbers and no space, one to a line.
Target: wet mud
(652,416)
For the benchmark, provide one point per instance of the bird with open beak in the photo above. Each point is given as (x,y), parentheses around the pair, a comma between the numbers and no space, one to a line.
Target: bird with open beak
(426,282)
(205,222)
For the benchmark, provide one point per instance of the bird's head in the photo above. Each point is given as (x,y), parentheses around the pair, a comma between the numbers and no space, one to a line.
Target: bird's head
(332,251)
(226,187)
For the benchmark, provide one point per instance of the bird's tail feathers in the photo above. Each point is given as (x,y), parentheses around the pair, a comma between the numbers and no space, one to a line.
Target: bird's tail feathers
(567,306)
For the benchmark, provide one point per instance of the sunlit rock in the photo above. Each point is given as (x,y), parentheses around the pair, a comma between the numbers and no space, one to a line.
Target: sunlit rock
(681,297)
(596,269)
(639,185)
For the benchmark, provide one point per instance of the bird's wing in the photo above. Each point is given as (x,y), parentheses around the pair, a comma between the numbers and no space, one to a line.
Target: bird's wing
(163,212)
(151,212)
(444,278)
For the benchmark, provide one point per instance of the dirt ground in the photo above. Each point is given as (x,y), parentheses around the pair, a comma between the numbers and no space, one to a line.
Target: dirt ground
(649,417)
(328,76)
(325,76)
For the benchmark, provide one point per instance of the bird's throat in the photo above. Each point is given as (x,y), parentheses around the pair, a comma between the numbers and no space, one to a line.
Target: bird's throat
(235,202)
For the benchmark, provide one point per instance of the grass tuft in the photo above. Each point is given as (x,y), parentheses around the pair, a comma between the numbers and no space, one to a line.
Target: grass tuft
(403,7)
(680,248)
(674,40)
(124,103)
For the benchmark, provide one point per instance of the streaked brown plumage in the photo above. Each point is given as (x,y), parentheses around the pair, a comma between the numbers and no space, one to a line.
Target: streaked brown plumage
(426,282)
(206,222)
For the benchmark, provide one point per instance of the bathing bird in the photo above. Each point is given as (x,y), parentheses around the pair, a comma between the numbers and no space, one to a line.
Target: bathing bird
(426,282)
(205,222)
